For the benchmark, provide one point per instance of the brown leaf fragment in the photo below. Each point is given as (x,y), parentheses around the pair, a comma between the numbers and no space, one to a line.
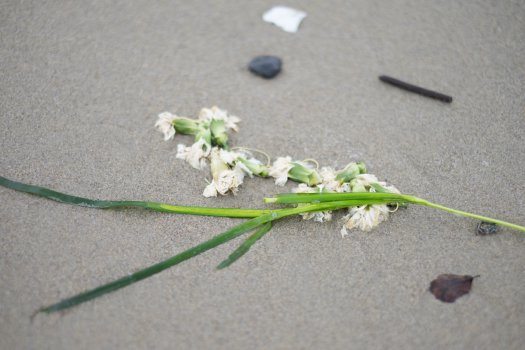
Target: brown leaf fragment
(449,287)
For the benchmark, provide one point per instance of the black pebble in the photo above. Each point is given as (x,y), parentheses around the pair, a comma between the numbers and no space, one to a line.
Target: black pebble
(487,228)
(266,66)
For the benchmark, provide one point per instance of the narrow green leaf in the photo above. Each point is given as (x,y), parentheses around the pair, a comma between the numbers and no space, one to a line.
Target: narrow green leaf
(378,188)
(154,269)
(187,254)
(246,245)
(105,204)
(287,198)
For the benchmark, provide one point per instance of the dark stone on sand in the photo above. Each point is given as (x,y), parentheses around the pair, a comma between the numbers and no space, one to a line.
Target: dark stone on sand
(265,66)
(487,228)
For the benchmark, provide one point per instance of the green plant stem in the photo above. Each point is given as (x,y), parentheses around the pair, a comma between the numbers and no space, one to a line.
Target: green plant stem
(370,197)
(470,215)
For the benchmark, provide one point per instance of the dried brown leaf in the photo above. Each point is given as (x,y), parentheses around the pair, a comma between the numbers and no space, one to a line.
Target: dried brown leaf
(449,287)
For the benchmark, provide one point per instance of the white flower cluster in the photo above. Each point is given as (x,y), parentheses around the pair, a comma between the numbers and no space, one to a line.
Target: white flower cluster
(228,170)
(229,167)
(351,179)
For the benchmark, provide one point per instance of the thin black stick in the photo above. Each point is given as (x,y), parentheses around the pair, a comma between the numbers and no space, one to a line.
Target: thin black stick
(413,88)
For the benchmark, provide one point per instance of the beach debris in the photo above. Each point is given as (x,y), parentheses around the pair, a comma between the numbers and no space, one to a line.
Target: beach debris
(416,89)
(487,228)
(449,287)
(266,66)
(286,18)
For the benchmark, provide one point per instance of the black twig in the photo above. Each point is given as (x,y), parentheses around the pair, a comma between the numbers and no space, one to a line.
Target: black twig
(413,88)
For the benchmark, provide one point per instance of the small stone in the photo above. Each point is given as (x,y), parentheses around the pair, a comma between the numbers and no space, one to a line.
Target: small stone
(487,228)
(265,66)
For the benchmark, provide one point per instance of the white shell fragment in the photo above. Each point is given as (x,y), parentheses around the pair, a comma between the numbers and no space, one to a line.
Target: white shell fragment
(286,18)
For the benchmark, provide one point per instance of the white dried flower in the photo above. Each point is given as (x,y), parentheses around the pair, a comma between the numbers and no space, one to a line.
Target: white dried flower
(279,170)
(224,177)
(304,188)
(230,180)
(196,154)
(228,157)
(330,184)
(165,125)
(365,217)
(366,179)
(224,181)
(210,190)
(319,216)
(215,113)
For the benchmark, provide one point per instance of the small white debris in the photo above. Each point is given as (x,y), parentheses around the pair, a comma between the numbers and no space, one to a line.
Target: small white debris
(286,18)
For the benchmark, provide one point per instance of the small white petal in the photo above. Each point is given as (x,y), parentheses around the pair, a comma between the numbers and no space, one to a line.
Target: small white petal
(344,232)
(165,125)
(366,217)
(228,156)
(366,179)
(304,188)
(279,170)
(210,190)
(215,113)
(196,154)
(281,181)
(286,18)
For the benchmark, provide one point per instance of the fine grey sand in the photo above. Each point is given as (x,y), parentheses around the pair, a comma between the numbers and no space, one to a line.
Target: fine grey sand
(82,84)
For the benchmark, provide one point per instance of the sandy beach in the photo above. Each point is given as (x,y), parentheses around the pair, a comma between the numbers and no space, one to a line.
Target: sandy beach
(82,84)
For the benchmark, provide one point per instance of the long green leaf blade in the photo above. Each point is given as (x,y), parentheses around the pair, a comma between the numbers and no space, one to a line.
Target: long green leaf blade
(106,204)
(288,198)
(154,269)
(246,245)
(187,254)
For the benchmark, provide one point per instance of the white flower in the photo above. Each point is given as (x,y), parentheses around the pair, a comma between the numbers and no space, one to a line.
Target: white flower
(226,180)
(210,190)
(215,113)
(279,170)
(165,125)
(365,217)
(319,216)
(304,188)
(366,179)
(228,157)
(196,154)
(230,180)
(330,184)
(224,177)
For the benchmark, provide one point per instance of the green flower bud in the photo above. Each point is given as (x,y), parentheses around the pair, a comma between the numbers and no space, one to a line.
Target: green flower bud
(203,133)
(362,167)
(357,186)
(219,133)
(348,173)
(256,168)
(301,173)
(186,126)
